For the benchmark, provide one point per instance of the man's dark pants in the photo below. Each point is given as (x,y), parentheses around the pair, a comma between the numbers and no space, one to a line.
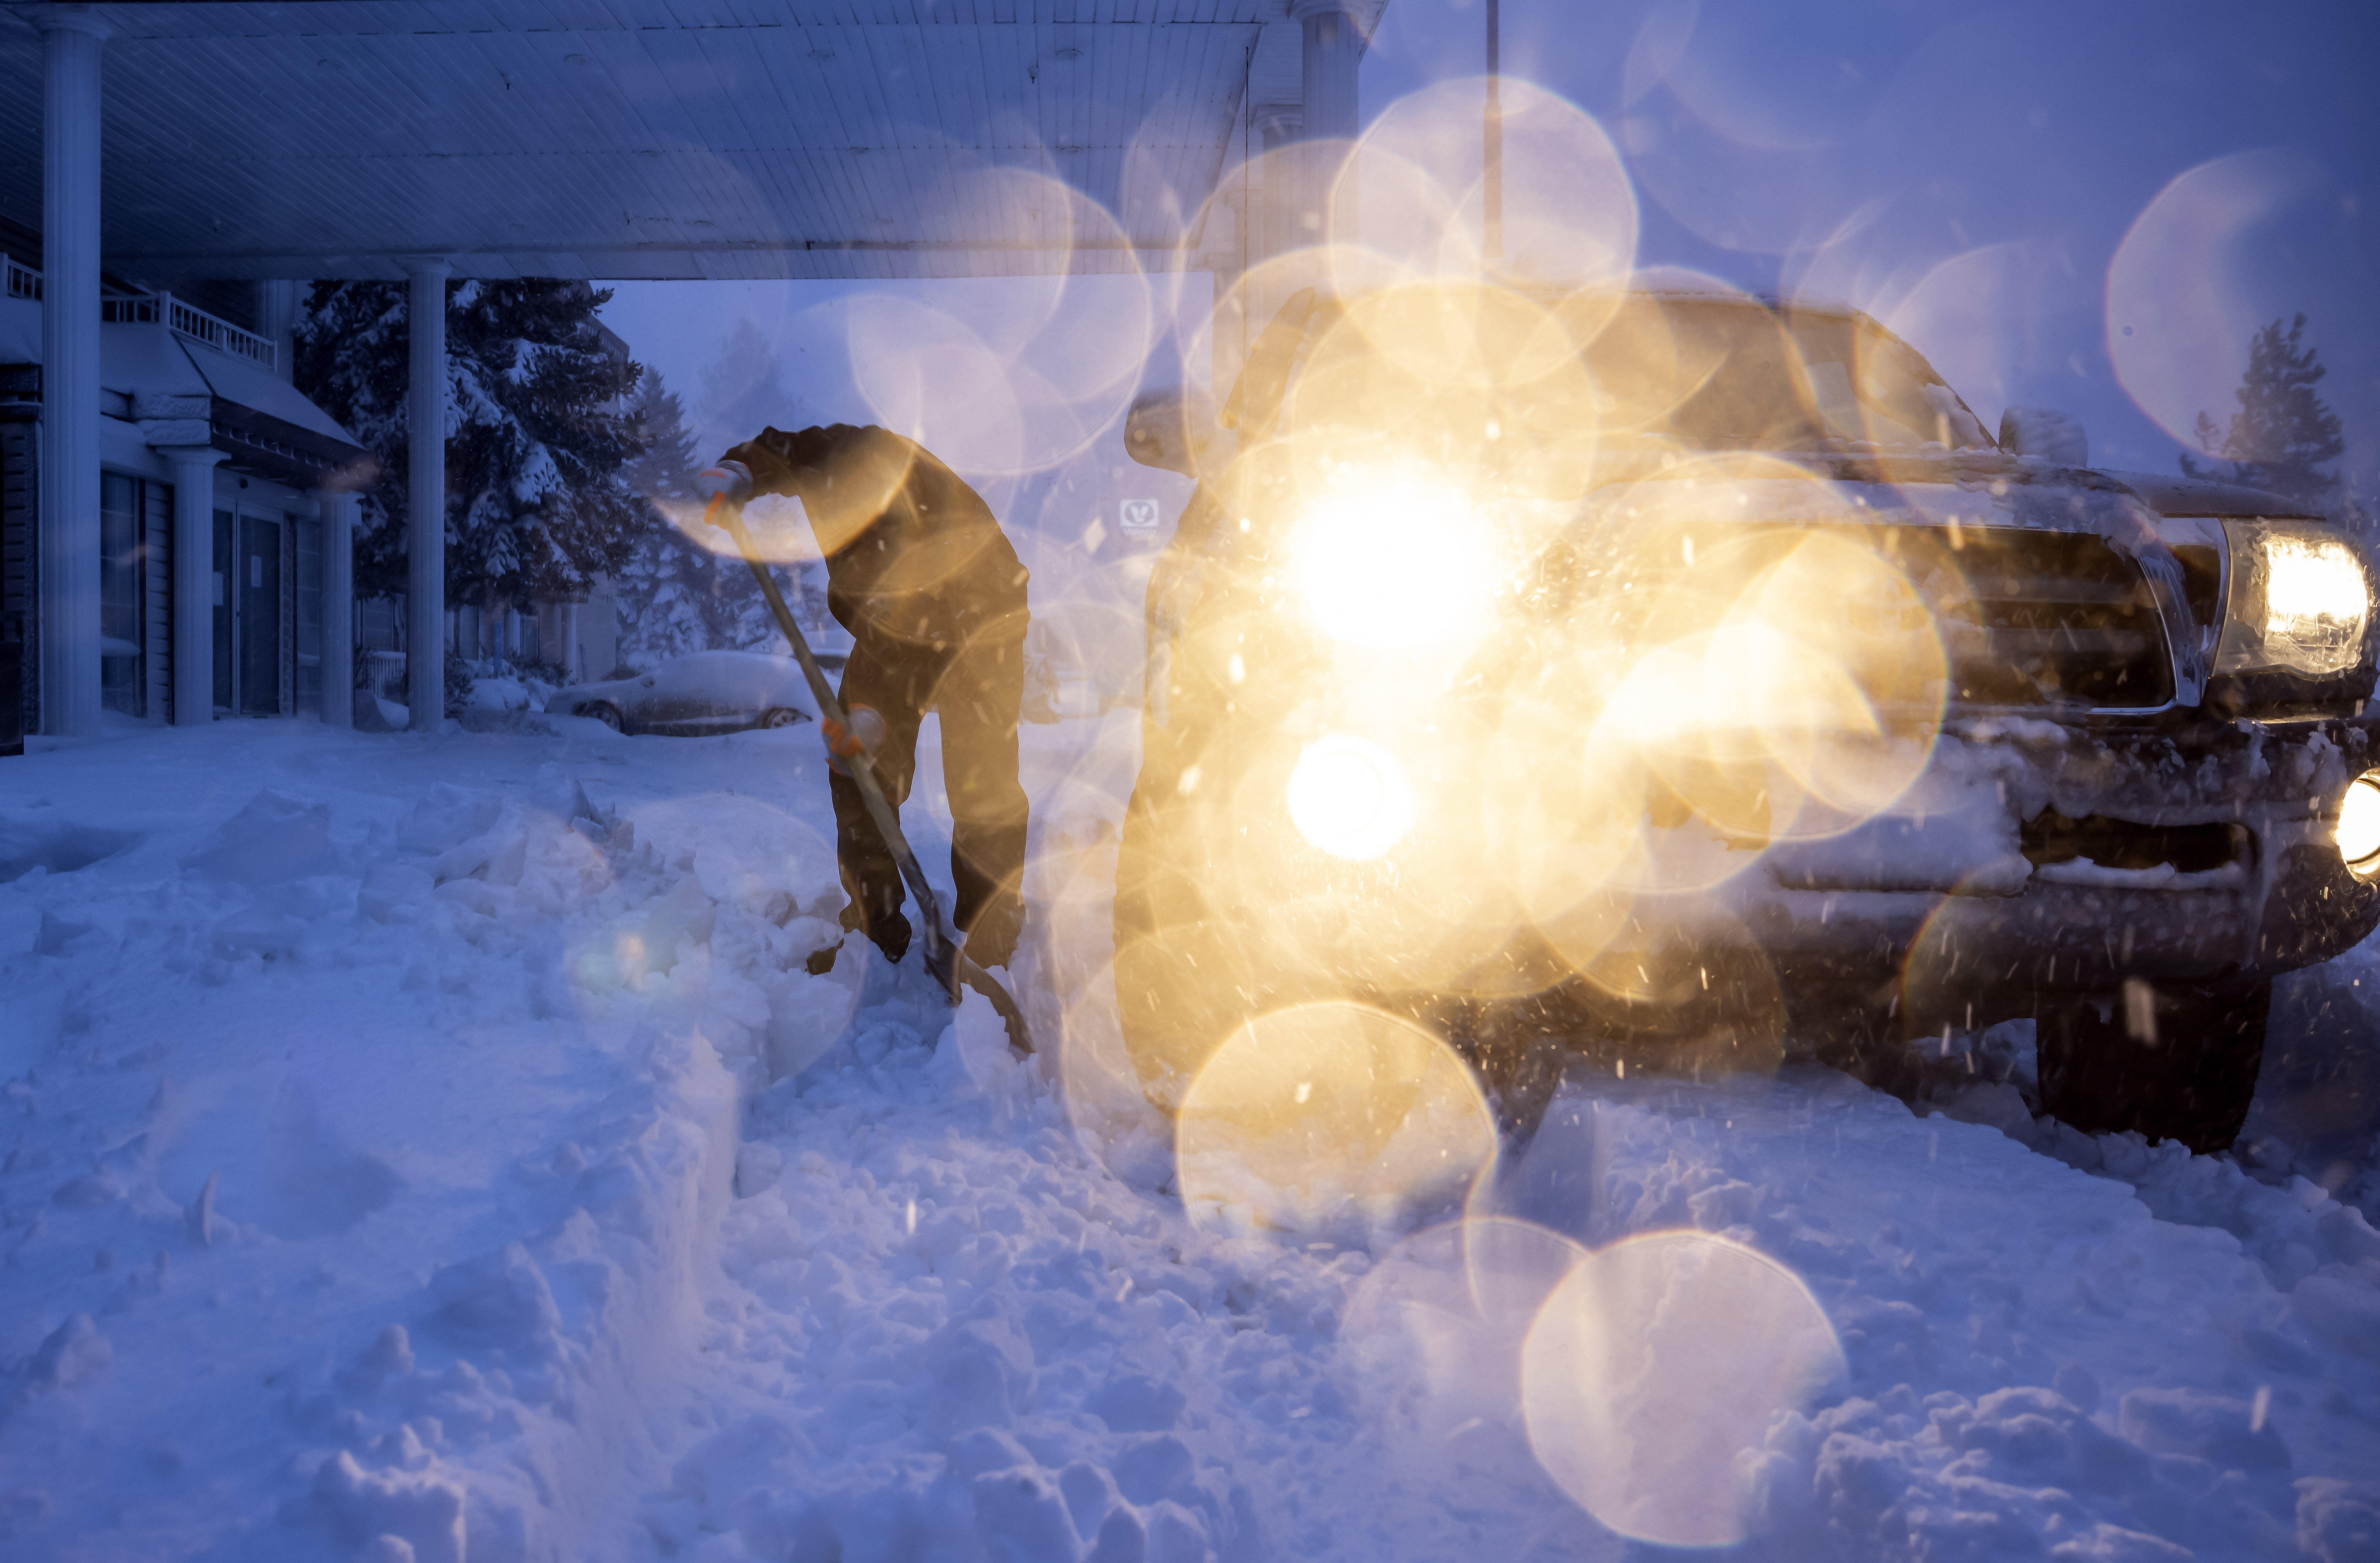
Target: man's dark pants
(976,688)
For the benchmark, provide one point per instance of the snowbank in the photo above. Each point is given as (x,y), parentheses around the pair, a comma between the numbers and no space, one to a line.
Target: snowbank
(368,1147)
(437,1147)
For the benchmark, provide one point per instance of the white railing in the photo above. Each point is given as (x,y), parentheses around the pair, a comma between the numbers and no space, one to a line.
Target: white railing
(151,308)
(200,326)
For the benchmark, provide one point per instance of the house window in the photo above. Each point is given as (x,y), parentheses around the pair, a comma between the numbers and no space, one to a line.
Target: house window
(123,566)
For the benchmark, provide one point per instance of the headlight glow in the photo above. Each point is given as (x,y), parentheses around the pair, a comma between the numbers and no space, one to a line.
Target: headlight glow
(2358,822)
(2315,596)
(2299,601)
(1392,567)
(1349,796)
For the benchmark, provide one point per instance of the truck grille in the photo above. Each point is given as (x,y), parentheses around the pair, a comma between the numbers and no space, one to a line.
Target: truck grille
(2033,618)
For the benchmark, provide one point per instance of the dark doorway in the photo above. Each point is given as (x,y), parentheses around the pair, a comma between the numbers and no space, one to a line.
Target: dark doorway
(222,578)
(123,574)
(259,616)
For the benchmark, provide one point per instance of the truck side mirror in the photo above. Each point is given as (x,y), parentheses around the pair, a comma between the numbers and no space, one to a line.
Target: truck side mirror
(2050,435)
(1174,429)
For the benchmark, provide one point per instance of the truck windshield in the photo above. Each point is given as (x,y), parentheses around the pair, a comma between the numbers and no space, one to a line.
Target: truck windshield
(1730,375)
(1477,378)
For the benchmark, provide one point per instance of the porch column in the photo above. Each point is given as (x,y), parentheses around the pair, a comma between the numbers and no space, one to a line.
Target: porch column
(425,532)
(337,508)
(1334,47)
(194,583)
(1276,230)
(276,314)
(69,542)
(1333,43)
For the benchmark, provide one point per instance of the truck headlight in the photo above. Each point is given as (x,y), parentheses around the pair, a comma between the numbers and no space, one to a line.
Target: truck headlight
(2359,823)
(2300,600)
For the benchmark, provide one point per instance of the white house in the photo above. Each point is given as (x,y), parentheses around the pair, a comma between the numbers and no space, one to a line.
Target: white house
(424,140)
(221,508)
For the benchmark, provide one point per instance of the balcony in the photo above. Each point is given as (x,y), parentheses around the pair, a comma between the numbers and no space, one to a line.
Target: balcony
(152,308)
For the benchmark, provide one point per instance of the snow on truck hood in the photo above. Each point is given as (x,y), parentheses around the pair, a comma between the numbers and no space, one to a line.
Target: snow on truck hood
(1966,494)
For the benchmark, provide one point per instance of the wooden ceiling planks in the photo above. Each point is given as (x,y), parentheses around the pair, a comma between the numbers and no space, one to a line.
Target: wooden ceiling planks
(643,137)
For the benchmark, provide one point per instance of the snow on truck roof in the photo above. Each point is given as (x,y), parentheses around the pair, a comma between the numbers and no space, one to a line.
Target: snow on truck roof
(2170,495)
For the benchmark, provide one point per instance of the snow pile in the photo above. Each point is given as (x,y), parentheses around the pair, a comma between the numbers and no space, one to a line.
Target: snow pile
(366,1154)
(507,692)
(438,1147)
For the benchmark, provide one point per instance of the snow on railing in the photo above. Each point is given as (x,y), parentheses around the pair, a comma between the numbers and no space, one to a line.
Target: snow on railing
(201,326)
(148,309)
(181,318)
(22,281)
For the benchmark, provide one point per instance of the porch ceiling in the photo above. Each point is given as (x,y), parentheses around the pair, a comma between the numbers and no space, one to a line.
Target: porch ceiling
(644,138)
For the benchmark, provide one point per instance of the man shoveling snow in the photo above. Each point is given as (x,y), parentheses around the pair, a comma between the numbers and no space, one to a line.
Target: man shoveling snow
(921,574)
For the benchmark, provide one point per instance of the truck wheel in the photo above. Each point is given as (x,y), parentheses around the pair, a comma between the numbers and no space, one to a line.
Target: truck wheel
(2191,1082)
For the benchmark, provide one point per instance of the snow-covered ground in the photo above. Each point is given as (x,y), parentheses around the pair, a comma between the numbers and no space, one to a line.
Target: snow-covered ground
(434,1148)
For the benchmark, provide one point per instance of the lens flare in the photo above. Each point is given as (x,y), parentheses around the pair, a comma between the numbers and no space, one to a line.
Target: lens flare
(1655,1366)
(1392,567)
(1570,208)
(1434,1333)
(1329,1118)
(1029,385)
(2180,304)
(1349,796)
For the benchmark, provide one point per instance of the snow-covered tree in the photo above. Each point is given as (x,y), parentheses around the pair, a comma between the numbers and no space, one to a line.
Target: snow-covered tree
(743,389)
(2283,432)
(676,594)
(539,429)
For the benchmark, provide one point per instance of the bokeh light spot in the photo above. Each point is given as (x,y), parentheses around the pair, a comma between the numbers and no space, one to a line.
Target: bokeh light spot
(1330,1117)
(1655,1365)
(1396,564)
(1349,796)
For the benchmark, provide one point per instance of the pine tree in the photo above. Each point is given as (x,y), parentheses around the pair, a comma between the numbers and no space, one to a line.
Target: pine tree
(2283,431)
(676,594)
(538,432)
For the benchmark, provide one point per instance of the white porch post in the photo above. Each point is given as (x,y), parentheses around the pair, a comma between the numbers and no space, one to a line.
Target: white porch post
(69,489)
(337,508)
(1333,43)
(425,534)
(194,583)
(1276,230)
(276,314)
(1335,46)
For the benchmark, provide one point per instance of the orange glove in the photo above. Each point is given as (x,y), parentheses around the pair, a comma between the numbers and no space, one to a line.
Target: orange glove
(863,736)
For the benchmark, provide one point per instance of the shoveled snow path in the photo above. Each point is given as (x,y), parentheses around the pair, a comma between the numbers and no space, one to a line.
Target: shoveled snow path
(485,1273)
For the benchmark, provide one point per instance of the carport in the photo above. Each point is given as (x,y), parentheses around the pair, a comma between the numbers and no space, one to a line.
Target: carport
(598,139)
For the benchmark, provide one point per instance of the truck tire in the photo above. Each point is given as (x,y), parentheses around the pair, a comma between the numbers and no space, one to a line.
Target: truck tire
(2191,1083)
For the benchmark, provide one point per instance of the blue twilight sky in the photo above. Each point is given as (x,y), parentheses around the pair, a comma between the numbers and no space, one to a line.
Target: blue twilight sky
(1970,172)
(2009,187)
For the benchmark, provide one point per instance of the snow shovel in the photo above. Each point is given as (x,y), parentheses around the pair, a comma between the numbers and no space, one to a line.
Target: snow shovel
(729,485)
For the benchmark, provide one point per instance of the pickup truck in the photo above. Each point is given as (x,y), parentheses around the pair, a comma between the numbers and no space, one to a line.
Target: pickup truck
(1694,674)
